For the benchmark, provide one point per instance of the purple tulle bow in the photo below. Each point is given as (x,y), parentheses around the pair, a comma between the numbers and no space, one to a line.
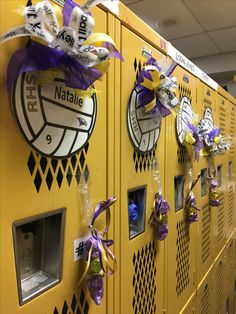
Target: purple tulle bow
(190,206)
(159,216)
(37,57)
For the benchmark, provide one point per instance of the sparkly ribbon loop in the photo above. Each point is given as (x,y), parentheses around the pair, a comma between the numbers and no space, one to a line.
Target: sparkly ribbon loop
(70,48)
(157,89)
(96,254)
(159,217)
(190,206)
(213,193)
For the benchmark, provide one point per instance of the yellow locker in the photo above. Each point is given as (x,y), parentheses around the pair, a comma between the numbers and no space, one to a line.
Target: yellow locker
(219,306)
(141,257)
(32,185)
(206,98)
(229,277)
(190,307)
(204,299)
(182,241)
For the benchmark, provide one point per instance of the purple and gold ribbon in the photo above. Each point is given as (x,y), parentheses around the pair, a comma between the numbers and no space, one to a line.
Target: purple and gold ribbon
(97,254)
(157,88)
(190,206)
(159,217)
(213,193)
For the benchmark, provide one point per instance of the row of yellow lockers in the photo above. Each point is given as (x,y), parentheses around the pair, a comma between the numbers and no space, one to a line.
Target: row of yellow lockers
(152,276)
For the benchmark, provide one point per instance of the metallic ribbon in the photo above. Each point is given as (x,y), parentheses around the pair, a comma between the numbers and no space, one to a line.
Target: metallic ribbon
(190,206)
(96,253)
(157,88)
(73,48)
(213,193)
(159,217)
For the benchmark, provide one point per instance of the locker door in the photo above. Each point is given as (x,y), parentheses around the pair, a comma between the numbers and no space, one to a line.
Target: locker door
(181,249)
(219,306)
(31,185)
(221,164)
(204,300)
(206,98)
(231,172)
(141,257)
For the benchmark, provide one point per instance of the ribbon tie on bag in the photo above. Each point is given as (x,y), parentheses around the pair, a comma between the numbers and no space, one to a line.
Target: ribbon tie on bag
(96,254)
(192,140)
(73,48)
(159,216)
(213,193)
(157,88)
(190,206)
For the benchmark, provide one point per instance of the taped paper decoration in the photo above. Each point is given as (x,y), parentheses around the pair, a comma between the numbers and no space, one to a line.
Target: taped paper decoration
(53,119)
(186,125)
(213,141)
(152,98)
(96,253)
(53,98)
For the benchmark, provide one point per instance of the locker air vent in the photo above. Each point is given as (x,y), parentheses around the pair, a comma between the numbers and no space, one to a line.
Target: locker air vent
(206,232)
(49,170)
(143,162)
(229,266)
(231,206)
(232,129)
(205,300)
(222,118)
(77,305)
(144,280)
(220,218)
(182,257)
(182,155)
(220,288)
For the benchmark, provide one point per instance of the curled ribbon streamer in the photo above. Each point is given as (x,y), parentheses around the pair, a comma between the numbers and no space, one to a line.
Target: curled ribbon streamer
(213,193)
(96,254)
(66,45)
(157,88)
(190,203)
(159,216)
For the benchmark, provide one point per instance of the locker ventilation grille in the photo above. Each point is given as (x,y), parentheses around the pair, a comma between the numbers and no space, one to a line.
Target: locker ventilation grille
(206,232)
(229,267)
(48,170)
(232,129)
(182,257)
(142,162)
(219,288)
(144,280)
(137,67)
(182,155)
(220,217)
(77,305)
(185,91)
(205,302)
(222,117)
(231,207)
